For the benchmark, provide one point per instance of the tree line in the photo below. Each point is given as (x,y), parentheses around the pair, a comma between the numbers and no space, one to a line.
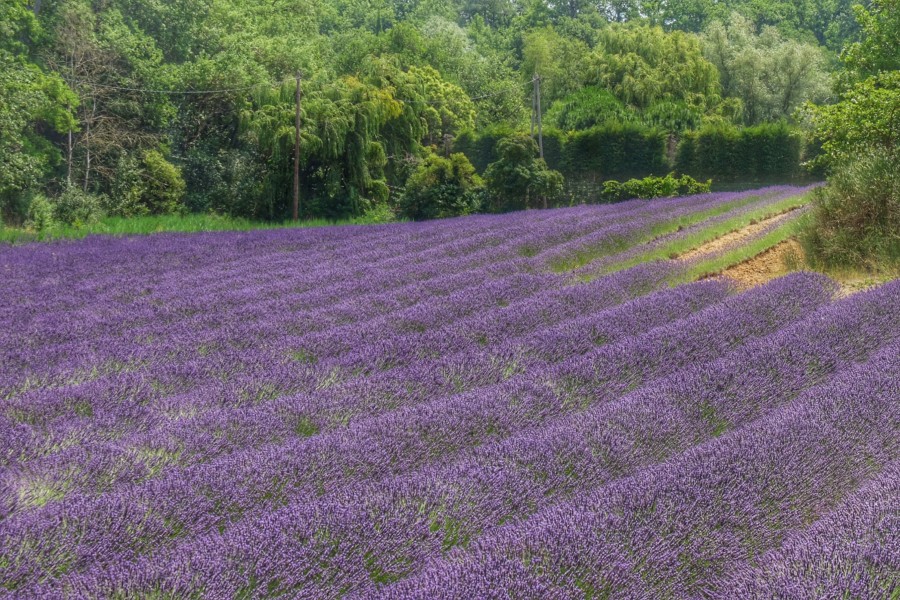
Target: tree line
(133,107)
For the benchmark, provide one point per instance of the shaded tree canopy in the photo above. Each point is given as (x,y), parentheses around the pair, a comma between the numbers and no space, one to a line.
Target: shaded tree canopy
(106,96)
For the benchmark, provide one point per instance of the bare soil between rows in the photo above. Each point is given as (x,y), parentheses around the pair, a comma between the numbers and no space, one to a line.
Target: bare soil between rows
(734,237)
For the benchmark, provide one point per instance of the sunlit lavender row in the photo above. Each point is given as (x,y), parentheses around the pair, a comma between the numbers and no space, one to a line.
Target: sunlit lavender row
(443,409)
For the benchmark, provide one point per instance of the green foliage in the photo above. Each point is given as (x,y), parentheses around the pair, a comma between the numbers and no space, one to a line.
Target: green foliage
(480,148)
(383,80)
(518,179)
(857,218)
(30,101)
(856,222)
(877,51)
(559,59)
(40,214)
(616,150)
(77,208)
(377,214)
(643,65)
(771,75)
(441,187)
(589,107)
(653,187)
(764,152)
(867,117)
(152,186)
(163,185)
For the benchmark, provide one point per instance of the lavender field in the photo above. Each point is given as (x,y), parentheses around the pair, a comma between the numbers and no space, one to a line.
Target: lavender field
(512,406)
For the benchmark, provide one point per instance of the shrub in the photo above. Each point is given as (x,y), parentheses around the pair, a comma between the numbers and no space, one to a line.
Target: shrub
(856,221)
(653,187)
(164,186)
(481,148)
(518,179)
(151,186)
(77,208)
(441,187)
(376,214)
(40,214)
(616,150)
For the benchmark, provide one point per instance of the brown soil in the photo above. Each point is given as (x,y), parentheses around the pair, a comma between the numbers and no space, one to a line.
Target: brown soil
(734,237)
(767,265)
(850,286)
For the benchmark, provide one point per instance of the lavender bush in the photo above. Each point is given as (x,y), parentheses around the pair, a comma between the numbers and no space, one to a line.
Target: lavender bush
(435,410)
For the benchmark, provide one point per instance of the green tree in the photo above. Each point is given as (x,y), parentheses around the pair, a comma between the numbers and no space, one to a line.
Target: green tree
(879,49)
(857,218)
(643,65)
(445,107)
(32,103)
(518,179)
(559,60)
(770,74)
(441,187)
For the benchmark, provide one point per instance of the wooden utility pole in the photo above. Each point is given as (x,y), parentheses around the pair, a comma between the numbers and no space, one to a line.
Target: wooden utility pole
(297,150)
(540,126)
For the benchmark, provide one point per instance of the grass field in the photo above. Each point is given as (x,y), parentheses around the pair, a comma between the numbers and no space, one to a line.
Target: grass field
(545,404)
(190,223)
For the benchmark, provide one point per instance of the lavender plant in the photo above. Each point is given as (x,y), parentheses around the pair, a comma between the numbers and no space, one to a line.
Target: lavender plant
(435,410)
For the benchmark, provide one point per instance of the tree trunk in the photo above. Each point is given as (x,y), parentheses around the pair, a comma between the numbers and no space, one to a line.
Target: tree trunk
(87,144)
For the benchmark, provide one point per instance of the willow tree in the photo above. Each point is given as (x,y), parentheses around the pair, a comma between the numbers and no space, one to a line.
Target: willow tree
(644,65)
(341,141)
(772,75)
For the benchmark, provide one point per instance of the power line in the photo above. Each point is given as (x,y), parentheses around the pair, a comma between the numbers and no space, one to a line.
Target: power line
(175,92)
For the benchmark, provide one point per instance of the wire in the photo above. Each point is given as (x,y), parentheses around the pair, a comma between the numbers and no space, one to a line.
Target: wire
(176,92)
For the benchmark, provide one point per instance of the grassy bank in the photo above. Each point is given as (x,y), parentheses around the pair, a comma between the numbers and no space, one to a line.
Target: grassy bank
(158,224)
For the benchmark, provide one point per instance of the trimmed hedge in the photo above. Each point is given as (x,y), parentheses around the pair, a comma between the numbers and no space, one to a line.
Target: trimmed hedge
(768,152)
(615,151)
(765,151)
(608,150)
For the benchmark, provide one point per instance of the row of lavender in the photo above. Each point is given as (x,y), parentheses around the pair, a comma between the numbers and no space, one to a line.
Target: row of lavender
(367,410)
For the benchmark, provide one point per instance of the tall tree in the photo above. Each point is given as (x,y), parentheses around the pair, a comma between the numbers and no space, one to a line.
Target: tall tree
(770,74)
(33,106)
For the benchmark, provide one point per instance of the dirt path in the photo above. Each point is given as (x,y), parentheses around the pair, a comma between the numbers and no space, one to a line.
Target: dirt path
(734,237)
(776,261)
(784,258)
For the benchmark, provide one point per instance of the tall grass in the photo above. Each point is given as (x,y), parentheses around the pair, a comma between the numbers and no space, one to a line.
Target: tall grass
(856,221)
(191,223)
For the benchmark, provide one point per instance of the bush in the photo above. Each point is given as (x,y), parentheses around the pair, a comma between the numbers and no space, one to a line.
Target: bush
(78,208)
(441,187)
(856,222)
(40,214)
(481,148)
(518,179)
(377,214)
(164,186)
(653,187)
(152,186)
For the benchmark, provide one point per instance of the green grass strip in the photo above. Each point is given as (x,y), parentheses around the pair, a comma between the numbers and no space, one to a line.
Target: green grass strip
(589,255)
(716,265)
(705,235)
(191,223)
